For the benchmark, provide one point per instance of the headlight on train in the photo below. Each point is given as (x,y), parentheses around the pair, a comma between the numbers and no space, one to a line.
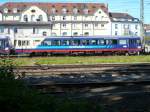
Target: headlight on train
(139,47)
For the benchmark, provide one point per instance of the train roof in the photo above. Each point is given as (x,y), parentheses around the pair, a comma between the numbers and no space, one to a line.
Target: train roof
(88,37)
(80,37)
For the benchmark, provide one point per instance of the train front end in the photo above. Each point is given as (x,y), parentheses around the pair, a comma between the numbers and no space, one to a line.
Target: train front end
(5,45)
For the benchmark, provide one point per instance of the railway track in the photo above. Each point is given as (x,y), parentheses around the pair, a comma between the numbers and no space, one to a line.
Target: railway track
(84,76)
(84,69)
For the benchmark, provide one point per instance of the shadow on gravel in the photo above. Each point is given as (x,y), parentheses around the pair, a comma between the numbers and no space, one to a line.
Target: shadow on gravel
(114,98)
(127,98)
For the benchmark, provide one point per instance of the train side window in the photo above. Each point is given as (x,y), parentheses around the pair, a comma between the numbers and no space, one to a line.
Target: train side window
(94,42)
(66,42)
(47,43)
(114,42)
(76,42)
(56,42)
(122,42)
(101,42)
(108,42)
(85,42)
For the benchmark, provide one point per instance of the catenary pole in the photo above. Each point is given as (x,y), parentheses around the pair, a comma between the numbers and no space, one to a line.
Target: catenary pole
(142,20)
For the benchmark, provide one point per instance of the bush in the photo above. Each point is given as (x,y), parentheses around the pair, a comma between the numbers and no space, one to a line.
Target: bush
(15,96)
(6,69)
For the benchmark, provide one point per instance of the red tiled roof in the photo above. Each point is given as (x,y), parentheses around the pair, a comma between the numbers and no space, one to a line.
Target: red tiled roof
(92,7)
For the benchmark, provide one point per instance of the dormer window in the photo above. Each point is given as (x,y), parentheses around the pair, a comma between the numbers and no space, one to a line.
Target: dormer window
(15,10)
(5,10)
(64,10)
(75,10)
(53,10)
(86,11)
(33,11)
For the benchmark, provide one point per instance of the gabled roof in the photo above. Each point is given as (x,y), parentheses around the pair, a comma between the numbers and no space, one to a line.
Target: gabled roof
(92,7)
(120,15)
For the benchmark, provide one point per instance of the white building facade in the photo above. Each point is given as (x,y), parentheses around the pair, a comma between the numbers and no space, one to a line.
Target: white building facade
(123,24)
(62,19)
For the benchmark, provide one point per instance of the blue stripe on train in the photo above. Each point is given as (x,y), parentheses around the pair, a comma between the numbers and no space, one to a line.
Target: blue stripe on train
(76,47)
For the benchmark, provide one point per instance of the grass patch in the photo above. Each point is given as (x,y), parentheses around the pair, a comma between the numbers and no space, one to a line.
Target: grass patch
(80,60)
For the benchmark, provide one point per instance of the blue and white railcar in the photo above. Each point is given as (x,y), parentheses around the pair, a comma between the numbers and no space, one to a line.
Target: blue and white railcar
(5,44)
(99,44)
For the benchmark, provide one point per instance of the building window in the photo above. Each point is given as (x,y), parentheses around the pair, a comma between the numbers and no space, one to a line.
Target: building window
(64,33)
(32,17)
(116,33)
(15,10)
(136,27)
(25,18)
(74,25)
(53,18)
(136,33)
(102,25)
(33,11)
(40,18)
(100,12)
(86,25)
(86,34)
(33,30)
(96,25)
(75,34)
(64,18)
(86,11)
(49,18)
(44,33)
(64,25)
(96,18)
(5,10)
(116,26)
(15,30)
(75,10)
(75,17)
(53,10)
(128,26)
(64,10)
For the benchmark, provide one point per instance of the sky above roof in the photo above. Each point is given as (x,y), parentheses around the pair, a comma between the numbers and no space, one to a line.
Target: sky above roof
(126,6)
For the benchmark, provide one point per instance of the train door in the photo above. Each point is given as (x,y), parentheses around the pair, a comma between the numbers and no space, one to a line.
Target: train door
(132,43)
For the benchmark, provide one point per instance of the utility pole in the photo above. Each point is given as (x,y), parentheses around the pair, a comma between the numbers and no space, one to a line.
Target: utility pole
(142,20)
